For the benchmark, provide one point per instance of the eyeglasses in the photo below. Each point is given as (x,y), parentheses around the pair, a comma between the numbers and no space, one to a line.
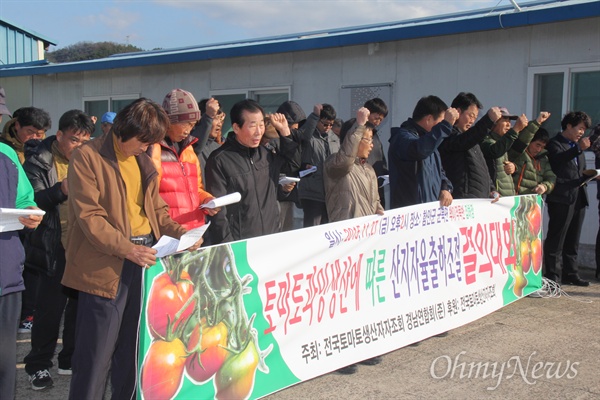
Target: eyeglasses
(367,140)
(326,124)
(35,133)
(189,124)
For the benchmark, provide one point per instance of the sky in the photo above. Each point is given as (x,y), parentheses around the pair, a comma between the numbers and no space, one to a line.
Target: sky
(152,24)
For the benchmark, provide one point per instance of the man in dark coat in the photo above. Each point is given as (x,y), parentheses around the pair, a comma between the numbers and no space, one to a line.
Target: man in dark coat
(416,172)
(568,200)
(46,167)
(462,158)
(242,165)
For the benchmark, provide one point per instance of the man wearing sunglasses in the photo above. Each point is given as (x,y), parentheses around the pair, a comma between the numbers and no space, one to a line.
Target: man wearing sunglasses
(318,142)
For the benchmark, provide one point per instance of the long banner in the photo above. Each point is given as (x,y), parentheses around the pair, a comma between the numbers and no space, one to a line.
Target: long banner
(246,319)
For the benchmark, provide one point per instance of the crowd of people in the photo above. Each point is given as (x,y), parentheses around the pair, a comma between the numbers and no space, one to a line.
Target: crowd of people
(107,200)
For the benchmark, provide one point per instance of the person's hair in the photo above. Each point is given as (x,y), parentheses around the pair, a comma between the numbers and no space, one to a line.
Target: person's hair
(377,106)
(202,106)
(76,120)
(143,119)
(238,109)
(348,124)
(574,118)
(541,135)
(328,113)
(345,128)
(429,105)
(32,116)
(337,123)
(464,100)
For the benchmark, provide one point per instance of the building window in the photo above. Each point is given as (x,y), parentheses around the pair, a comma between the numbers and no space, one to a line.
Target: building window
(560,89)
(97,106)
(269,99)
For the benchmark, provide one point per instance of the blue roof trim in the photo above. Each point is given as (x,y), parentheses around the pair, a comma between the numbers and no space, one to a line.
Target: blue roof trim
(439,26)
(35,63)
(28,32)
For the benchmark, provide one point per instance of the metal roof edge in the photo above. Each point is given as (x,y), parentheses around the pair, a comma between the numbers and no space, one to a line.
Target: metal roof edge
(347,37)
(300,35)
(29,32)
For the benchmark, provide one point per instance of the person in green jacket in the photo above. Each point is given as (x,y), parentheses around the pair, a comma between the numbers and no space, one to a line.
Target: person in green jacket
(503,138)
(533,174)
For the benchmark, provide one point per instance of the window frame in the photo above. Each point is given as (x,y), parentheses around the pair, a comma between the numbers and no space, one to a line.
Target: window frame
(567,70)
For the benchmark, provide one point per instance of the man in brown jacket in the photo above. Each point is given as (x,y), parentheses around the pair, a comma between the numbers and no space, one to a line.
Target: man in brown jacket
(115,216)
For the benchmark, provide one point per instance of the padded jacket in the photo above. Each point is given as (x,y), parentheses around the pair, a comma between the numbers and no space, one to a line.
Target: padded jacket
(495,149)
(180,180)
(532,171)
(350,182)
(43,244)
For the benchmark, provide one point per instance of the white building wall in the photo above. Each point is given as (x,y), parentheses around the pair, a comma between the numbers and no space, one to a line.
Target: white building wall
(493,65)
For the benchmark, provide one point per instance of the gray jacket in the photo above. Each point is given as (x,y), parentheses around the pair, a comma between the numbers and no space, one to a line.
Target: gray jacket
(350,182)
(315,150)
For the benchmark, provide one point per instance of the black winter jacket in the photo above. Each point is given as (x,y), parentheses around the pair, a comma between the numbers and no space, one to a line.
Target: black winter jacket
(568,163)
(253,173)
(464,162)
(43,244)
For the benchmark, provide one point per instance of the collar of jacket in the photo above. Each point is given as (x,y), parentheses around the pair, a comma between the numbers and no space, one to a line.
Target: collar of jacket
(563,139)
(9,134)
(240,148)
(497,137)
(412,126)
(188,141)
(104,144)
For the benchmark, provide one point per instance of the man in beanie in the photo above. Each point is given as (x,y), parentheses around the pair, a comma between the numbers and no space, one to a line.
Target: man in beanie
(178,166)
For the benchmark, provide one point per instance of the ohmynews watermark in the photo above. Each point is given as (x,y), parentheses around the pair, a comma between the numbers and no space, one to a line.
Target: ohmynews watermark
(529,370)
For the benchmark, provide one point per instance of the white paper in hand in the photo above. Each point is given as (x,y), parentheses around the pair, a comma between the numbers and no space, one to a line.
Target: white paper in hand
(386,180)
(9,218)
(168,245)
(231,198)
(308,171)
(191,237)
(284,180)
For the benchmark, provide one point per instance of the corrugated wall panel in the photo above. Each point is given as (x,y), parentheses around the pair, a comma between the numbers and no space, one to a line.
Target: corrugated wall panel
(17,47)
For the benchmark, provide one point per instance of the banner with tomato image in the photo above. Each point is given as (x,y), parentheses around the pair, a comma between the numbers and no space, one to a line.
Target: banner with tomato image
(246,319)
